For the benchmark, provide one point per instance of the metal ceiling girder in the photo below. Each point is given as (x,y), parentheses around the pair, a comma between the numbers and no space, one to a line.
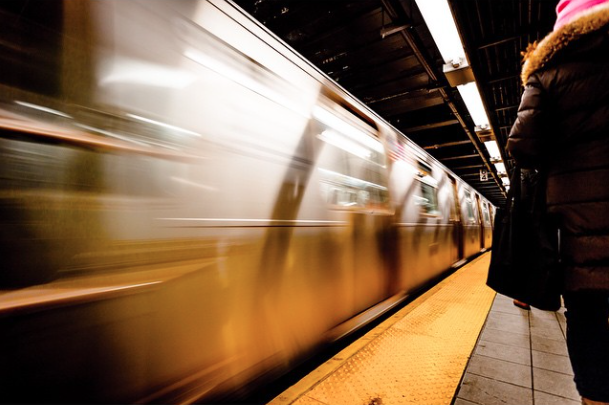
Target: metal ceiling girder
(457,157)
(415,92)
(399,105)
(431,126)
(399,17)
(447,144)
(468,167)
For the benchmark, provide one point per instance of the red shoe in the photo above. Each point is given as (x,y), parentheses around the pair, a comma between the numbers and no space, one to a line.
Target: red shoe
(522,305)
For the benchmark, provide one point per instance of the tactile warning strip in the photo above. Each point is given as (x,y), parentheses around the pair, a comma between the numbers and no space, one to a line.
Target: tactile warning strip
(416,357)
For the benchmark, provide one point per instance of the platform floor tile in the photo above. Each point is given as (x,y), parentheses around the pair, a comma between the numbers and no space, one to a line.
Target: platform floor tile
(514,341)
(418,356)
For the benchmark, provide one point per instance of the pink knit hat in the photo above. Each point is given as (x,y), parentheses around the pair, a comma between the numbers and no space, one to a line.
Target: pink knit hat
(566,10)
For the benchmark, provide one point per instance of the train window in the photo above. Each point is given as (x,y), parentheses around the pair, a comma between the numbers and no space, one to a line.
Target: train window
(469,204)
(424,169)
(487,218)
(352,161)
(428,200)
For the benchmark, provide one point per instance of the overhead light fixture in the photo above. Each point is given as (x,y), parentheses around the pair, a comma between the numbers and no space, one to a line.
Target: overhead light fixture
(493,150)
(500,168)
(441,24)
(471,97)
(443,29)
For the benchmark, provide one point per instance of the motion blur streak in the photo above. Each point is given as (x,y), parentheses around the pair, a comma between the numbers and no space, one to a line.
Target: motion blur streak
(188,207)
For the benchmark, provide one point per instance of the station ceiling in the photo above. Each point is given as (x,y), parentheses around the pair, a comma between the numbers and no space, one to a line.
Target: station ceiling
(382,52)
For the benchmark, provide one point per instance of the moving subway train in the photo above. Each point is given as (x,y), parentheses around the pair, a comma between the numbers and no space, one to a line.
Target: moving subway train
(188,206)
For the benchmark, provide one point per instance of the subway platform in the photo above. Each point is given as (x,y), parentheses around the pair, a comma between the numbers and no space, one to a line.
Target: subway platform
(459,343)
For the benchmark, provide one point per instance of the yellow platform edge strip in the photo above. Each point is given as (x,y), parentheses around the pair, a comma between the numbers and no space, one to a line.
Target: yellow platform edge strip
(417,356)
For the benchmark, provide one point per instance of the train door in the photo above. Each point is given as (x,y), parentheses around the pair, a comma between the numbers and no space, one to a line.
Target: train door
(353,171)
(455,221)
(470,224)
(487,225)
(480,221)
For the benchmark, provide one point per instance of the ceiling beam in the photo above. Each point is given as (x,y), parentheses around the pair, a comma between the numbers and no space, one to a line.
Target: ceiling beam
(468,167)
(447,144)
(405,104)
(459,157)
(504,78)
(407,93)
(509,107)
(501,41)
(431,126)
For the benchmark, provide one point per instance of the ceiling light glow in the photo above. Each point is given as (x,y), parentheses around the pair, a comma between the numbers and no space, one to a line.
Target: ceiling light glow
(493,150)
(471,97)
(439,19)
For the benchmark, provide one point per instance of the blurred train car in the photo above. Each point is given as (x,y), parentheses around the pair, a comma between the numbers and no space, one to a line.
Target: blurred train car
(188,206)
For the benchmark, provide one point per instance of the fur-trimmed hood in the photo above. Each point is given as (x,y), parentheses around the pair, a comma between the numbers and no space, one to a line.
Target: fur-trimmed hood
(539,54)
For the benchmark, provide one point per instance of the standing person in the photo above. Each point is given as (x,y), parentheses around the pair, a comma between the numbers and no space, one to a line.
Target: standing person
(563,128)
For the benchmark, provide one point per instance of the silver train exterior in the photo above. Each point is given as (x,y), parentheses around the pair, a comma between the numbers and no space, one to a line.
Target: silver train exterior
(187,205)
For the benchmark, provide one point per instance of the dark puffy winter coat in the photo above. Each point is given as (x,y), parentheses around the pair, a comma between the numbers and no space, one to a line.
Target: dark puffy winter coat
(563,127)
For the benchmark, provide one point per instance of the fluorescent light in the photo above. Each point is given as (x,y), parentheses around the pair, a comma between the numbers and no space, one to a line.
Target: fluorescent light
(500,167)
(493,150)
(441,24)
(471,97)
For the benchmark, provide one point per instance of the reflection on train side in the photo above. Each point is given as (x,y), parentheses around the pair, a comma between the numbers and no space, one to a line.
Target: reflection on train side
(187,206)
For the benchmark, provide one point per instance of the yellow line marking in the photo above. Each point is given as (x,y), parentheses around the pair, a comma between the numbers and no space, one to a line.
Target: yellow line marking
(416,356)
